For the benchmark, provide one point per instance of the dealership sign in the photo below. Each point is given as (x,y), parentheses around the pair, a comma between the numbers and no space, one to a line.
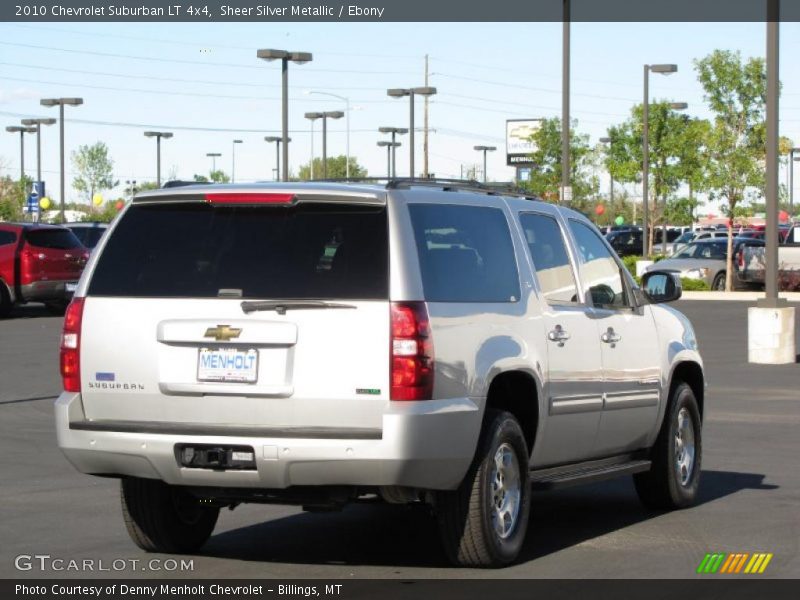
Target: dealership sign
(518,143)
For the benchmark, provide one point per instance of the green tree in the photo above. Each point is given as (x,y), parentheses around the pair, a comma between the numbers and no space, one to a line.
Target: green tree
(218,176)
(680,211)
(337,168)
(673,140)
(736,92)
(545,179)
(95,170)
(12,199)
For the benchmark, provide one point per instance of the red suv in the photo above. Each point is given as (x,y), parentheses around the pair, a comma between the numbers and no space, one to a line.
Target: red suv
(38,263)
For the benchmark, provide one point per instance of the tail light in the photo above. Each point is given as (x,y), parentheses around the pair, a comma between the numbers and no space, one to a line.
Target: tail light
(71,346)
(741,258)
(412,352)
(249,198)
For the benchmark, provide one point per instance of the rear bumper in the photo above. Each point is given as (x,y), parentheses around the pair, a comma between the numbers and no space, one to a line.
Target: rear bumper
(40,291)
(426,445)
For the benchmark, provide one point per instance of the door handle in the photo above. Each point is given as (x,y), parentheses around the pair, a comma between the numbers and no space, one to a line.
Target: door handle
(558,335)
(610,336)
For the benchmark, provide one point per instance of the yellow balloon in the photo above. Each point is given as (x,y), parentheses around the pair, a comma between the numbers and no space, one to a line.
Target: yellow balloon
(45,203)
(97,199)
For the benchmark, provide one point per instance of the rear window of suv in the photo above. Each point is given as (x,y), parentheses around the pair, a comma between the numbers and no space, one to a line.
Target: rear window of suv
(58,239)
(465,253)
(306,251)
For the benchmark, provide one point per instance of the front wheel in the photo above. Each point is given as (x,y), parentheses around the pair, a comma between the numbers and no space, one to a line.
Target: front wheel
(719,282)
(674,477)
(165,518)
(483,523)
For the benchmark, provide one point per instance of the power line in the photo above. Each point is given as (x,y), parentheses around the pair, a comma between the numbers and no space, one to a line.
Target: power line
(194,62)
(177,80)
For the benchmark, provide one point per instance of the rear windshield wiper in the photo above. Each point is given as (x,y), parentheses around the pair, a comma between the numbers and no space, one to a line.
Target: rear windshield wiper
(281,306)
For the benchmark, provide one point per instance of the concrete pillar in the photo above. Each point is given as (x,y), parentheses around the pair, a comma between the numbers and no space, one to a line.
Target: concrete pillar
(770,335)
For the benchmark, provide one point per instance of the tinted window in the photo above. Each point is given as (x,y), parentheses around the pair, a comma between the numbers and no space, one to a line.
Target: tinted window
(89,236)
(600,272)
(7,237)
(61,239)
(550,259)
(465,253)
(307,251)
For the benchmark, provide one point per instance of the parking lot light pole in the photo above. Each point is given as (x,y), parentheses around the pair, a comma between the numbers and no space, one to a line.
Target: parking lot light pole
(277,140)
(347,124)
(485,149)
(213,156)
(390,146)
(38,124)
(158,135)
(792,160)
(331,114)
(285,56)
(607,142)
(233,160)
(394,131)
(313,116)
(21,131)
(411,92)
(663,70)
(61,102)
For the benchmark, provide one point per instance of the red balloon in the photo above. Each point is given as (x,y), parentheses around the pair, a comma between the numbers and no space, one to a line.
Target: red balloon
(599,209)
(119,205)
(783,216)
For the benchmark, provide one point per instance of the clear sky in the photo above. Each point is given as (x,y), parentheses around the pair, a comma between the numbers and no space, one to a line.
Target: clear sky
(204,83)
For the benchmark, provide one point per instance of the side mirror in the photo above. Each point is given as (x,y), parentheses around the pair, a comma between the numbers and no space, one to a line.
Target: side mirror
(661,286)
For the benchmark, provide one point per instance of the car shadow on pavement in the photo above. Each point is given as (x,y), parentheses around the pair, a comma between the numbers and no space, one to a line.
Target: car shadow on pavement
(403,536)
(30,311)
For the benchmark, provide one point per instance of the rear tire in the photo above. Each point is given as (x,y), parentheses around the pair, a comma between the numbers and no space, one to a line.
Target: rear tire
(674,477)
(483,523)
(5,301)
(719,282)
(57,309)
(165,518)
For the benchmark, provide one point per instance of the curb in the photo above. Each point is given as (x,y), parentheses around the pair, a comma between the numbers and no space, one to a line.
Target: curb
(740,296)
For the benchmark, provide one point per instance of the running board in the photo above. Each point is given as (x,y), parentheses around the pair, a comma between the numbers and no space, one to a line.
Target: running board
(586,472)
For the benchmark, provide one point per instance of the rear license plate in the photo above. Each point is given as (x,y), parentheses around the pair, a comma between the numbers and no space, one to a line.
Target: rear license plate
(228,364)
(71,286)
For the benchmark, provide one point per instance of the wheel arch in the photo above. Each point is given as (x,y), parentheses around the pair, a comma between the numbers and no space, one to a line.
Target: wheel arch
(518,392)
(691,373)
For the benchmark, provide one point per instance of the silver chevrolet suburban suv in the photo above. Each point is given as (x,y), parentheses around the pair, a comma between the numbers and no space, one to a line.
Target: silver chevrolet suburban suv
(413,342)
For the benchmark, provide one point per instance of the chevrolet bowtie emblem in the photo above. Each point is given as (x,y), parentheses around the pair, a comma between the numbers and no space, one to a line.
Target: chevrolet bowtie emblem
(222,333)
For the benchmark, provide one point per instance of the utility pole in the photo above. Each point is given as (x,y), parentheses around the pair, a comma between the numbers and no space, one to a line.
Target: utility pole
(566,192)
(425,128)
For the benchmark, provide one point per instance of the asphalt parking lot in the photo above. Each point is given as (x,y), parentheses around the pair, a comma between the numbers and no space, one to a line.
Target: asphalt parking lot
(750,491)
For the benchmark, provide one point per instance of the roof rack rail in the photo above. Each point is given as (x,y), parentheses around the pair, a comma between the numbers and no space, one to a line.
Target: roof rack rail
(446,184)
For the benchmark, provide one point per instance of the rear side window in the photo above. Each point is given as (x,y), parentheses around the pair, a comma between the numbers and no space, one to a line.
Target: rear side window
(465,253)
(307,251)
(59,239)
(89,236)
(550,259)
(7,237)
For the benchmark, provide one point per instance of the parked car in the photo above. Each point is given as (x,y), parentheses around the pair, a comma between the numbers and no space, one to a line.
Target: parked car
(38,263)
(752,261)
(706,259)
(691,236)
(89,233)
(415,342)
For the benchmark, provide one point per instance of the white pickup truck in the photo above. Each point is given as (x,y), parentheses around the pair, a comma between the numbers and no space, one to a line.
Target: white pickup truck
(751,259)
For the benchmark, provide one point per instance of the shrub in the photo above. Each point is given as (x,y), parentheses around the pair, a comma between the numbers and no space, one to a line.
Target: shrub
(694,285)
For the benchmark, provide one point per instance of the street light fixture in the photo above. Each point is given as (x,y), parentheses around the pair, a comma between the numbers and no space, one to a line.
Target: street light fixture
(285,56)
(411,92)
(347,125)
(233,160)
(158,135)
(277,140)
(394,131)
(213,156)
(390,147)
(663,69)
(61,102)
(331,114)
(484,149)
(38,122)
